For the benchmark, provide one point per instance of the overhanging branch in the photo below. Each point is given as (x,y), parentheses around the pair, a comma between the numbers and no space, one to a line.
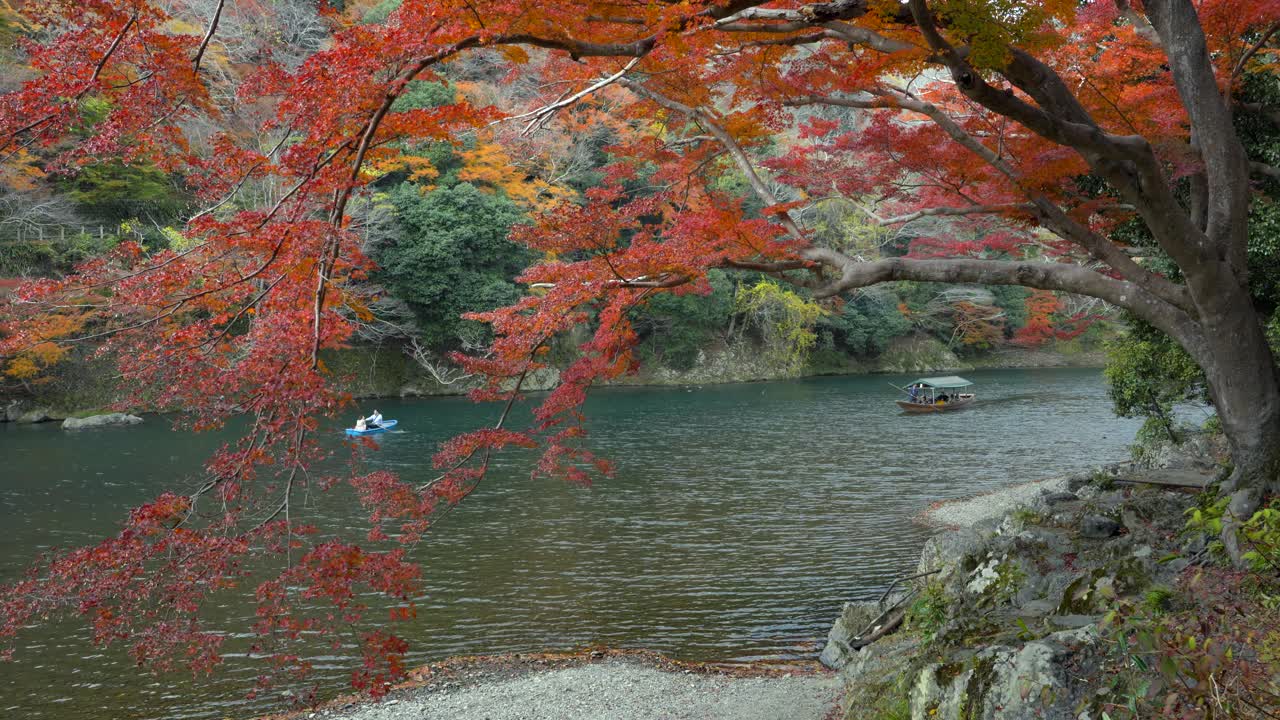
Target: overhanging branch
(1061,277)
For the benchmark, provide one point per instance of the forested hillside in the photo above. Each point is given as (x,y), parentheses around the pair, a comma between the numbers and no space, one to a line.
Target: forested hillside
(437,221)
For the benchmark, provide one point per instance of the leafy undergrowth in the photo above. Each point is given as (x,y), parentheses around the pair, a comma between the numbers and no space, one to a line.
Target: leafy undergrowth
(1209,647)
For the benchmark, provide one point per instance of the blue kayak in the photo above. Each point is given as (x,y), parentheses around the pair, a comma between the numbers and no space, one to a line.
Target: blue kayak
(385,426)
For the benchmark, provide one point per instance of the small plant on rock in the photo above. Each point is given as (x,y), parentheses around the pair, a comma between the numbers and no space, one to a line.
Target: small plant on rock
(1158,600)
(928,613)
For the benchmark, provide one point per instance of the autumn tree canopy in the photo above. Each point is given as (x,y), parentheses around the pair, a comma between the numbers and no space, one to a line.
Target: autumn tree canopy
(1056,122)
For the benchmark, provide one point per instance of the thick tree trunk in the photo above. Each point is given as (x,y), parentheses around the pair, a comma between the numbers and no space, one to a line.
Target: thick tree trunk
(1245,387)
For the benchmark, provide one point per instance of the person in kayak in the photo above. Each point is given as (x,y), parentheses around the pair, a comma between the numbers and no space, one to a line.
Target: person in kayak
(374,420)
(360,425)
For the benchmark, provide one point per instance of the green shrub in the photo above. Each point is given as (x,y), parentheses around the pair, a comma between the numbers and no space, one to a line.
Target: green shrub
(928,613)
(1261,534)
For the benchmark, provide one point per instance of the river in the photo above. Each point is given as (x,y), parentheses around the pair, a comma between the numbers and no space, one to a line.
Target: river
(740,518)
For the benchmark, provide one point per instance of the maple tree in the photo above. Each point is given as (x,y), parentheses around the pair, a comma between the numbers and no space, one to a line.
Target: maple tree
(1062,119)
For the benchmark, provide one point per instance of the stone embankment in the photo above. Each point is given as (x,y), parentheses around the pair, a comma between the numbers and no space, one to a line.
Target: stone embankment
(1004,617)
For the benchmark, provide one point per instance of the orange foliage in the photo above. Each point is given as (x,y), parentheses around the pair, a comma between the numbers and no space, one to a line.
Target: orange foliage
(490,165)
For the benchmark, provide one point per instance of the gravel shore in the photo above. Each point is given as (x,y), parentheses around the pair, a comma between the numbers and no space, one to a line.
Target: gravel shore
(970,511)
(612,689)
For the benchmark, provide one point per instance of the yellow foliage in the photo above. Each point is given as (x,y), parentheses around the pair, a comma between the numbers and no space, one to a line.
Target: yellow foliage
(21,171)
(29,362)
(785,321)
(177,241)
(419,168)
(489,165)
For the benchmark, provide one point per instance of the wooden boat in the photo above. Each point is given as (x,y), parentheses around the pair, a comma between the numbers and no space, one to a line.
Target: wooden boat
(937,394)
(385,426)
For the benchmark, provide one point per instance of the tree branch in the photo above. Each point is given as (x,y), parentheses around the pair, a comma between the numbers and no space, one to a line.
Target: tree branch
(1126,162)
(1226,165)
(1062,277)
(1046,211)
(1270,171)
(735,150)
(1141,26)
(208,36)
(546,111)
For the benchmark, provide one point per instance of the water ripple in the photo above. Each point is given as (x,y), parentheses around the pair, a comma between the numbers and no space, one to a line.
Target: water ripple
(739,520)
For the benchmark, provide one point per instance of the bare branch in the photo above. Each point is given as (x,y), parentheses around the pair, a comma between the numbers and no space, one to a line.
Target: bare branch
(208,36)
(542,113)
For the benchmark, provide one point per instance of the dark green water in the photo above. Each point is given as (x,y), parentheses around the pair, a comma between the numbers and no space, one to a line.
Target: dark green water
(740,518)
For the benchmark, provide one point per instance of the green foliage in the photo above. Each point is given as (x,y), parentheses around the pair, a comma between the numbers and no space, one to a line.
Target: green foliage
(1261,534)
(115,192)
(52,254)
(1102,480)
(891,703)
(1147,373)
(1009,579)
(1012,299)
(1212,425)
(675,328)
(1261,139)
(991,27)
(866,325)
(380,12)
(1026,516)
(928,613)
(1205,656)
(421,94)
(1158,600)
(840,224)
(451,256)
(1206,515)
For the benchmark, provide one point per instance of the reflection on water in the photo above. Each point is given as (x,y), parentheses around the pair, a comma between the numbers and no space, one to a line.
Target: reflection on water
(740,518)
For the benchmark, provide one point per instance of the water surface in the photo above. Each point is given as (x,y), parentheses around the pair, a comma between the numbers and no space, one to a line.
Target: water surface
(741,517)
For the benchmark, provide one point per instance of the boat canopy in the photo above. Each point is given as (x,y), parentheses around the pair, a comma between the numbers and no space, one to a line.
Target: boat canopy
(942,383)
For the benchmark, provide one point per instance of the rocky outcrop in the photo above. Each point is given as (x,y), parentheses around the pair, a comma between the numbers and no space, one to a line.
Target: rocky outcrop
(33,416)
(100,421)
(11,411)
(1004,683)
(859,625)
(1006,623)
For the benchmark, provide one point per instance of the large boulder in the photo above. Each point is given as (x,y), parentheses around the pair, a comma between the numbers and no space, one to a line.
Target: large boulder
(1097,527)
(950,554)
(854,618)
(97,421)
(1002,683)
(1197,451)
(875,674)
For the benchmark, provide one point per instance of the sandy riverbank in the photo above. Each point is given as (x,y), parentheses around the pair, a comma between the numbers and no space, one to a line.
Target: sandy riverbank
(612,685)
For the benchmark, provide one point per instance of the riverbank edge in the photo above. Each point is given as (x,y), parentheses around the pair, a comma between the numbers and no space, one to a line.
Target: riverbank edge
(29,410)
(461,673)
(964,512)
(1015,609)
